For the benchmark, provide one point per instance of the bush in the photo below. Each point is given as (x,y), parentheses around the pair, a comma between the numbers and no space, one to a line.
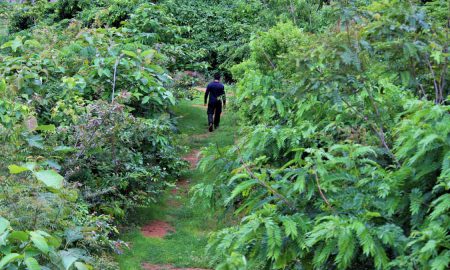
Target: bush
(121,161)
(343,157)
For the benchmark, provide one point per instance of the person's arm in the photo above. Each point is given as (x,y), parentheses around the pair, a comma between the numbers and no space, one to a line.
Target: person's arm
(206,94)
(224,98)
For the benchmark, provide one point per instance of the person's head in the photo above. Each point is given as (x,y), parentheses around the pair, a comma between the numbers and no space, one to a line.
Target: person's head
(217,76)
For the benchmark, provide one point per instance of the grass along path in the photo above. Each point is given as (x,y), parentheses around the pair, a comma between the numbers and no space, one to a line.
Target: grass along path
(184,246)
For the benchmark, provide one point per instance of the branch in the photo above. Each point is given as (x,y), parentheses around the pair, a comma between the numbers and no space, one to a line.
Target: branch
(268,59)
(444,70)
(99,193)
(381,132)
(321,192)
(436,87)
(115,76)
(378,130)
(271,189)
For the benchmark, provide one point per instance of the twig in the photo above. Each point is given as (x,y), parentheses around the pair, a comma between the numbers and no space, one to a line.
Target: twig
(268,59)
(99,193)
(271,189)
(320,190)
(381,132)
(444,70)
(292,10)
(115,76)
(378,130)
(436,87)
(424,94)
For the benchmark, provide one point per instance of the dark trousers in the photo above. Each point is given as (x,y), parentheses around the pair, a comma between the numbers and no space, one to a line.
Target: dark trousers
(214,111)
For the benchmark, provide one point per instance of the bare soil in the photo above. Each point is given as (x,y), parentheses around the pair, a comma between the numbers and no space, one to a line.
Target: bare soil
(157,229)
(147,266)
(193,158)
(182,187)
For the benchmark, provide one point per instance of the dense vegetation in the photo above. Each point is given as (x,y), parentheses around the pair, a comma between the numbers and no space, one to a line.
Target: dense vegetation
(342,154)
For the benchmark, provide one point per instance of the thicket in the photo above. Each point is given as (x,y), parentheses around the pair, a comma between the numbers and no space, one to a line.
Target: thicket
(343,161)
(85,130)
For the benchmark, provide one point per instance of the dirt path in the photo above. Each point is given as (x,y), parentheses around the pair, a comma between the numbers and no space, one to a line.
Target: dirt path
(159,228)
(148,266)
(174,232)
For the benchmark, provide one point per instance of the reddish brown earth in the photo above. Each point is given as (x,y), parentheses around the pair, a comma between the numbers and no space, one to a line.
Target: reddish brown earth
(147,266)
(157,229)
(193,158)
(182,186)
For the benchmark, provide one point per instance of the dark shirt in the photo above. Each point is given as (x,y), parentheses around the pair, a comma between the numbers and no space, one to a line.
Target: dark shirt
(215,91)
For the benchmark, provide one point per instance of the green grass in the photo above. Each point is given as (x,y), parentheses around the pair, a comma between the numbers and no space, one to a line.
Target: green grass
(184,248)
(193,223)
(193,121)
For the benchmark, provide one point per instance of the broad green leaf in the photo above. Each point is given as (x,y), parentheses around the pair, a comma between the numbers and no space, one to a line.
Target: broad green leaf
(73,235)
(17,42)
(7,44)
(4,224)
(14,169)
(32,263)
(18,235)
(82,266)
(68,260)
(49,128)
(2,85)
(13,44)
(9,258)
(64,149)
(40,242)
(33,43)
(30,166)
(35,141)
(50,178)
(130,53)
(148,52)
(89,38)
(145,99)
(70,195)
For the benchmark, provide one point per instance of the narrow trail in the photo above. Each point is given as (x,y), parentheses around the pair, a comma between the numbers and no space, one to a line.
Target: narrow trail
(173,235)
(160,229)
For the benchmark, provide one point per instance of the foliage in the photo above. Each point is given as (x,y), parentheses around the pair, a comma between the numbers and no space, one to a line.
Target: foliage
(71,115)
(36,249)
(121,161)
(343,157)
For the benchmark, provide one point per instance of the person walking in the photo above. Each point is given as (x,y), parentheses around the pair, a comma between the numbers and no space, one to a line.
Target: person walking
(216,92)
